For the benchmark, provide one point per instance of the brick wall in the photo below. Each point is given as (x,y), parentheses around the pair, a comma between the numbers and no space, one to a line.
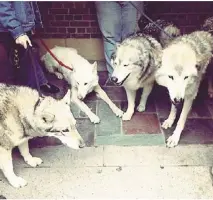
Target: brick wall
(78,19)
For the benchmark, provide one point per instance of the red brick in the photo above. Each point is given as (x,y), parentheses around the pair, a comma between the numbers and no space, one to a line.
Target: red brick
(58,35)
(62,30)
(80,4)
(68,17)
(59,23)
(79,24)
(94,24)
(71,30)
(78,11)
(89,17)
(59,17)
(77,17)
(142,124)
(91,30)
(56,4)
(69,4)
(50,30)
(97,35)
(58,11)
(80,30)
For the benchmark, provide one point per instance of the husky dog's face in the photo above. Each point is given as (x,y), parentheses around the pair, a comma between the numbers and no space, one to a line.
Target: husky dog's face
(177,73)
(127,60)
(54,118)
(85,79)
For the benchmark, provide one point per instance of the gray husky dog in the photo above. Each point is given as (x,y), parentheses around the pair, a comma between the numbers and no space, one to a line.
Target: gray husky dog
(135,62)
(184,62)
(23,116)
(208,26)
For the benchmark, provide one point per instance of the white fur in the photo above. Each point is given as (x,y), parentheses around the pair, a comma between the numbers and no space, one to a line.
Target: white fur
(83,79)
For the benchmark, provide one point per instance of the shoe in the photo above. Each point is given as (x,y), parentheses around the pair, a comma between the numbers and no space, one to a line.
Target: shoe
(49,88)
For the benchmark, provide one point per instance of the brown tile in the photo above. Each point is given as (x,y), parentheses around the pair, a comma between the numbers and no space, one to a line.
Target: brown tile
(142,124)
(196,131)
(150,107)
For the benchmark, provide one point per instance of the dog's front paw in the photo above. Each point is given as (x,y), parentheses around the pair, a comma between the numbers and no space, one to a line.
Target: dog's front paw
(127,116)
(167,123)
(95,119)
(172,141)
(18,182)
(118,112)
(33,161)
(141,108)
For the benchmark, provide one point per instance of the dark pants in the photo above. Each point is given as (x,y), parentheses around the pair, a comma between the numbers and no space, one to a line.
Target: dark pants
(25,74)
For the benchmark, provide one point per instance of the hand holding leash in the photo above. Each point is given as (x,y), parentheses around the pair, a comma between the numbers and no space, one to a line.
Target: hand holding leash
(23,40)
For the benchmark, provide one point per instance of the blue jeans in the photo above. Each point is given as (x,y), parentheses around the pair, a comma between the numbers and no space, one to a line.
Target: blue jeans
(117,20)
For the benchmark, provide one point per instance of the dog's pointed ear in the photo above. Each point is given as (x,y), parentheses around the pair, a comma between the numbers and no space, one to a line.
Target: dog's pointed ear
(95,66)
(47,117)
(66,98)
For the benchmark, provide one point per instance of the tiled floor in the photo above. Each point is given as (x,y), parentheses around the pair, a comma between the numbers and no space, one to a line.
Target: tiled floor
(144,128)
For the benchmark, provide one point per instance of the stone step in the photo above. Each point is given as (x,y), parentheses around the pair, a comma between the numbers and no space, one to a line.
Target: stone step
(62,156)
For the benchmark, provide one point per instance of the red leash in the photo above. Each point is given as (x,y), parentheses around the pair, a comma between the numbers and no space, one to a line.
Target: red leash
(51,53)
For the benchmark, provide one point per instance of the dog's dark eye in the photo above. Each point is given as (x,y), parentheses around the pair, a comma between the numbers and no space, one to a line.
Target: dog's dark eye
(125,65)
(77,83)
(171,77)
(85,83)
(186,77)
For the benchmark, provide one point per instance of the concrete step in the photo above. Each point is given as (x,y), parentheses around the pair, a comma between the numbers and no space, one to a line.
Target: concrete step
(108,156)
(116,173)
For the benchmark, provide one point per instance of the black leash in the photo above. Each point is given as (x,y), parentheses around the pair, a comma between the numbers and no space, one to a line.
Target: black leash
(147,17)
(31,51)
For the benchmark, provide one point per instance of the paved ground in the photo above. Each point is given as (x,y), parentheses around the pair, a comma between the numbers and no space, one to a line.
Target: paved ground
(123,160)
(113,172)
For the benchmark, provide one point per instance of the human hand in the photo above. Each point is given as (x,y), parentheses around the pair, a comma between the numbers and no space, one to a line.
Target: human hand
(23,40)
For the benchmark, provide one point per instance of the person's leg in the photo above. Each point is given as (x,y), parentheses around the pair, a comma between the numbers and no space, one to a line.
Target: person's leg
(109,19)
(130,17)
(27,73)
(7,73)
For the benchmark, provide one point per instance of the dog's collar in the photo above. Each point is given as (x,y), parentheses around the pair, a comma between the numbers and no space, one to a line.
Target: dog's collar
(37,103)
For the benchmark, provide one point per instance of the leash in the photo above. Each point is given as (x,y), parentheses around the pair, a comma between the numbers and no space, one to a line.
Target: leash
(149,19)
(30,50)
(51,53)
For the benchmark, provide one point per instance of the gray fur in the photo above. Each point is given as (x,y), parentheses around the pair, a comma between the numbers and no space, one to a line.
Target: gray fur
(135,61)
(184,64)
(23,118)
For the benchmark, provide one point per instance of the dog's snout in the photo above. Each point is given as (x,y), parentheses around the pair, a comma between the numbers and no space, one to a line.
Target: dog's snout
(177,101)
(114,79)
(81,144)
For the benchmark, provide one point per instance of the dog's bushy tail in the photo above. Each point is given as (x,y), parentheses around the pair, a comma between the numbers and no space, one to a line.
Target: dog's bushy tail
(208,25)
(169,31)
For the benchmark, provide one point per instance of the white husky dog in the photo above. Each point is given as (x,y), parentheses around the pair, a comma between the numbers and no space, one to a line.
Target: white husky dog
(83,79)
(23,116)
(184,63)
(135,62)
